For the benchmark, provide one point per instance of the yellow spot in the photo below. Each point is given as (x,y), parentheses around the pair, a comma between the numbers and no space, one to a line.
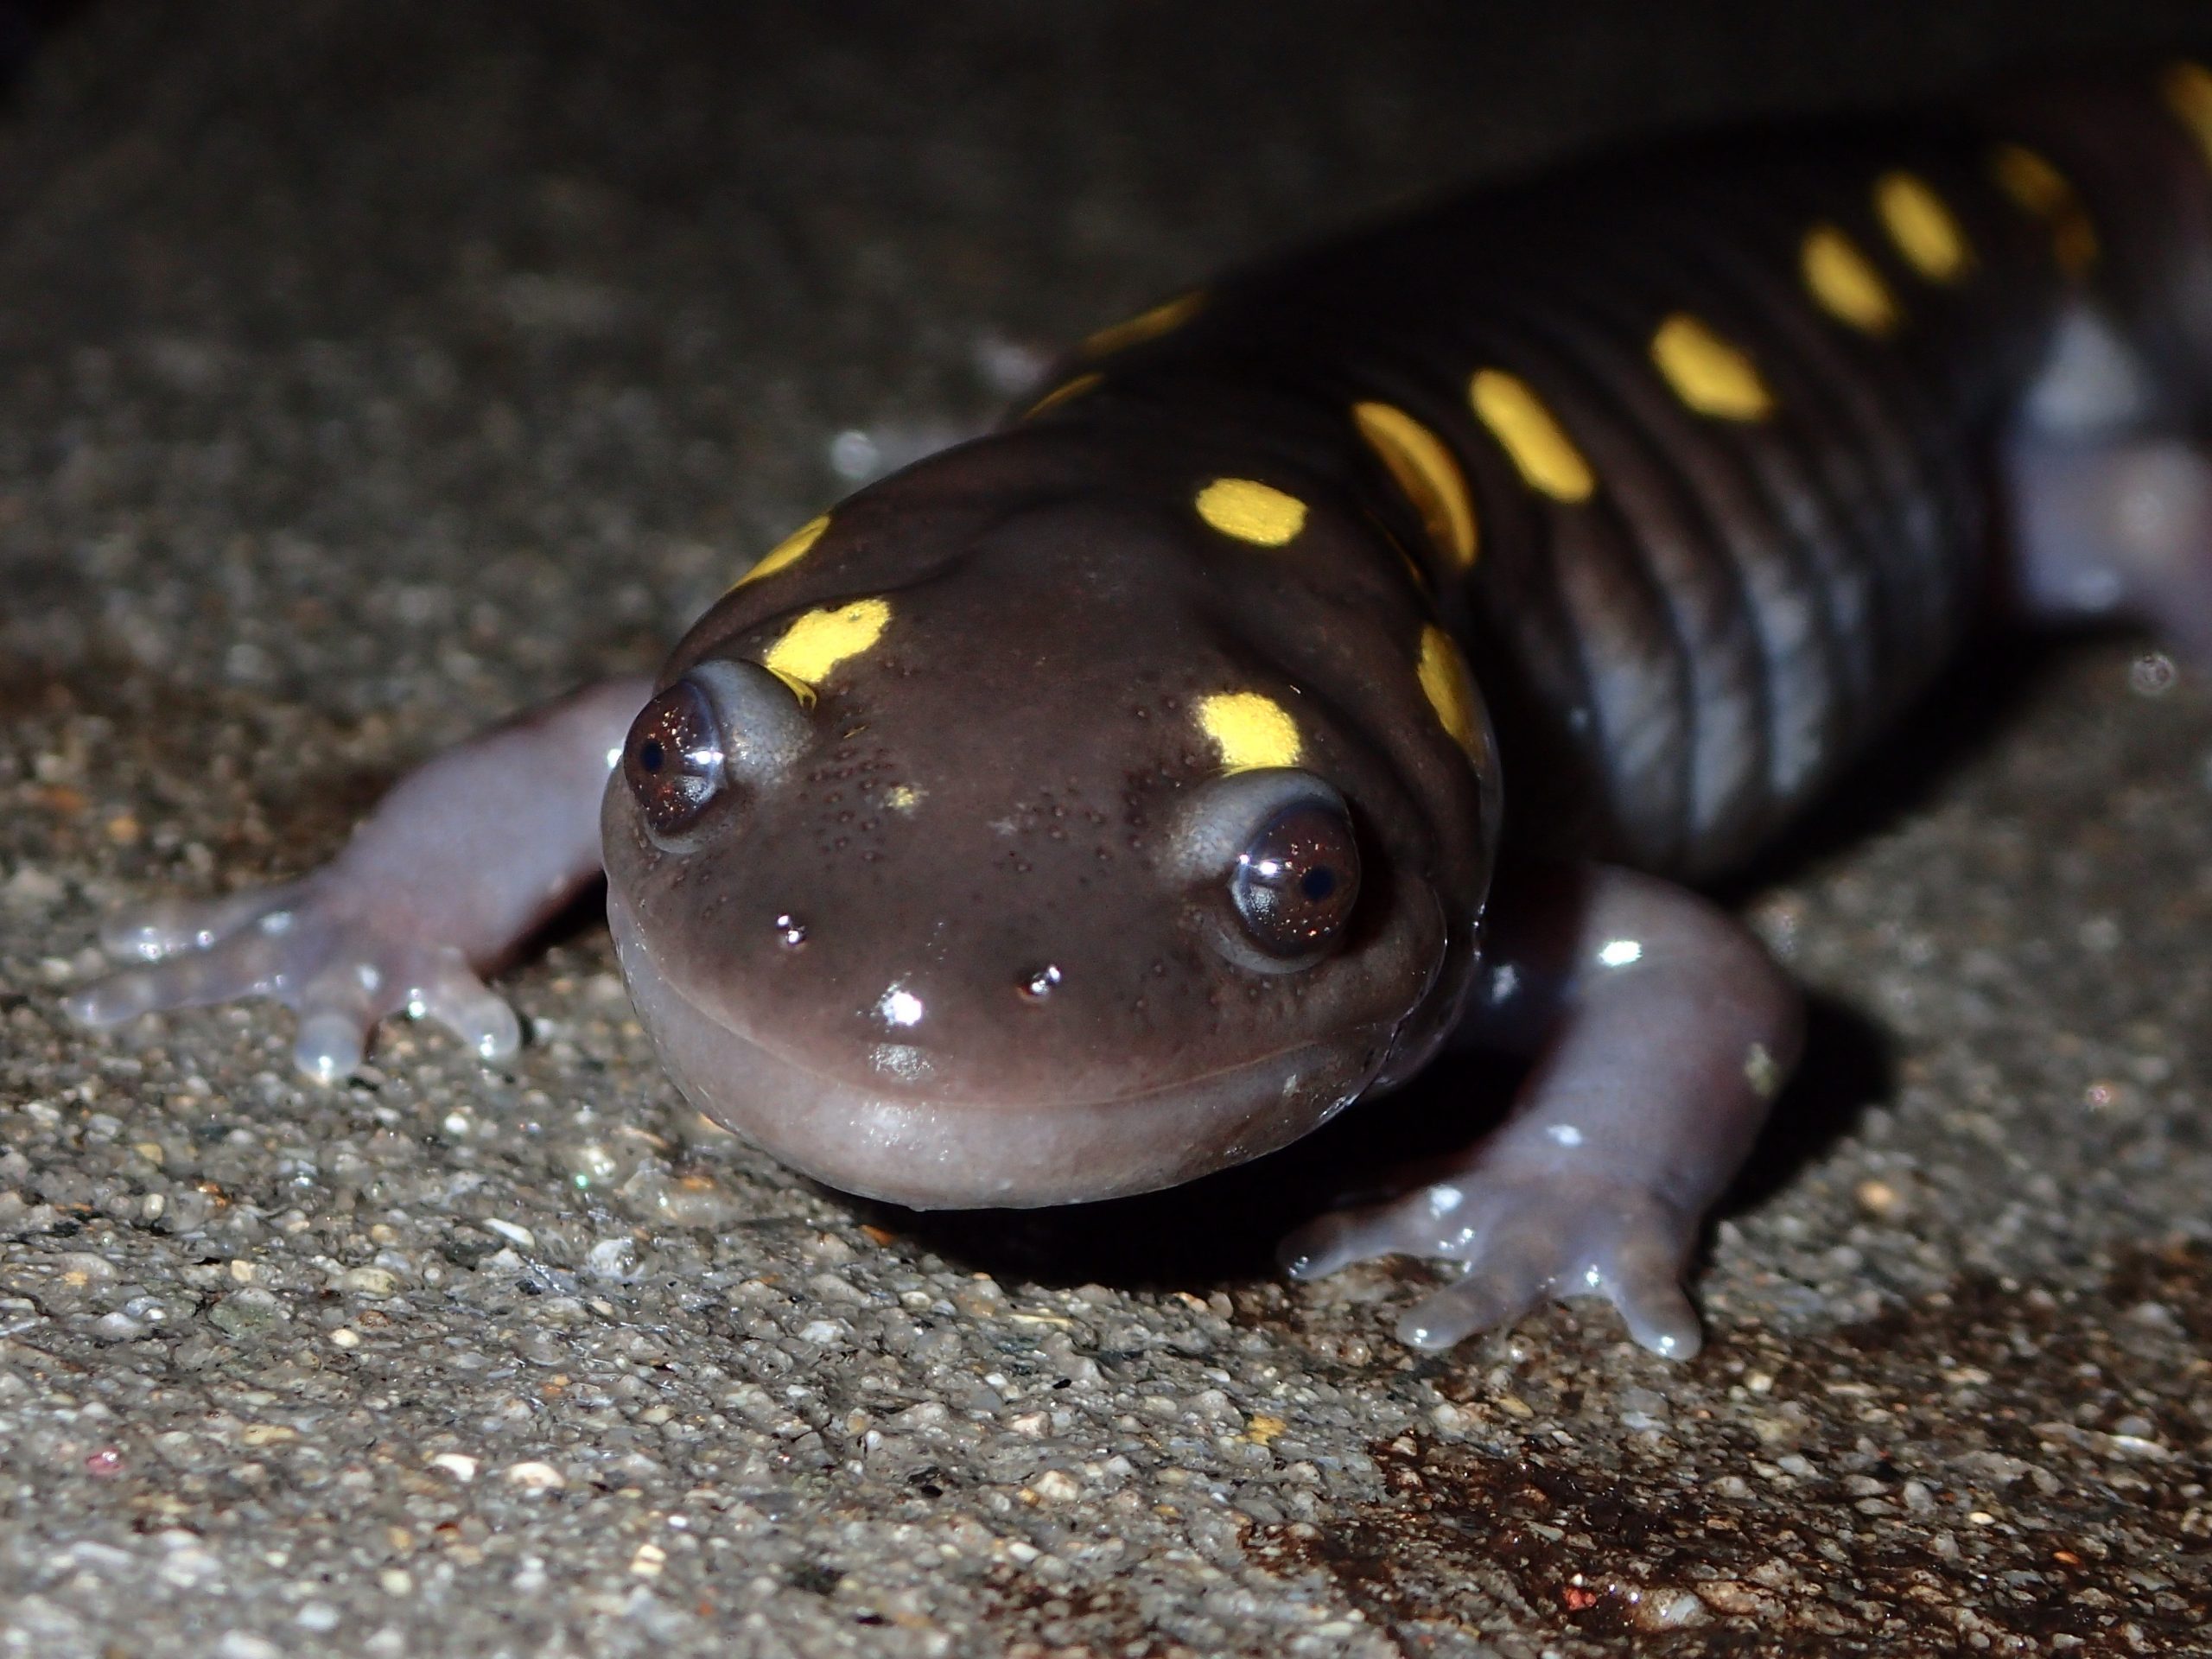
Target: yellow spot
(793,547)
(1844,283)
(1707,373)
(2034,183)
(1426,472)
(2188,87)
(1061,393)
(1450,691)
(2042,191)
(902,798)
(821,639)
(1250,730)
(1252,512)
(1146,325)
(1540,448)
(1922,227)
(1262,1428)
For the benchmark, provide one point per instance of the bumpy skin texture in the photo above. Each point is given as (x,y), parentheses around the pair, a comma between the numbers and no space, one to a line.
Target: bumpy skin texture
(1108,800)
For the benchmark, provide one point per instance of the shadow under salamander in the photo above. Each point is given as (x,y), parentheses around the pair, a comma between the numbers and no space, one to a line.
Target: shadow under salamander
(1225,1227)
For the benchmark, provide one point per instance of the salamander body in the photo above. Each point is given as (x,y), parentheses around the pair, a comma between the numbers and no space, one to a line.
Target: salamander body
(1340,661)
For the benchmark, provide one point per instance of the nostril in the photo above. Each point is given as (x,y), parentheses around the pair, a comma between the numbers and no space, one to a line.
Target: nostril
(1041,984)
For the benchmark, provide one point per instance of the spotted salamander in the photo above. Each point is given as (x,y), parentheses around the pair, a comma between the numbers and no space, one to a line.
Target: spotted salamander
(1350,659)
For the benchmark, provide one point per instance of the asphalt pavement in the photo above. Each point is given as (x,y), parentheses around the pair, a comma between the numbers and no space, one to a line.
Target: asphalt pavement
(370,369)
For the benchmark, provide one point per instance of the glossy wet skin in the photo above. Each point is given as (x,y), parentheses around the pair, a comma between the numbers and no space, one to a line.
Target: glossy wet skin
(963,928)
(1106,801)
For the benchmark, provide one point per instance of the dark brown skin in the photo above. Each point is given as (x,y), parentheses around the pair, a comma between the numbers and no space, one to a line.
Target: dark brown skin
(1107,801)
(1012,627)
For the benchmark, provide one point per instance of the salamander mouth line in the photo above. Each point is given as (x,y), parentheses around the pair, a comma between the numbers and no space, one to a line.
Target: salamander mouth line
(1273,1061)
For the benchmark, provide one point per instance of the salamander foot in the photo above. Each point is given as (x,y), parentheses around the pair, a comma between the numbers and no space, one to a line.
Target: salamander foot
(307,944)
(1525,1238)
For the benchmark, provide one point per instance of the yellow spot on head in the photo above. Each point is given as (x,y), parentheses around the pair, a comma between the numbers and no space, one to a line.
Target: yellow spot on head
(1250,730)
(1451,691)
(1426,473)
(2042,191)
(1252,512)
(1707,373)
(1922,227)
(1540,448)
(819,640)
(902,798)
(1844,283)
(1146,325)
(793,547)
(2188,89)
(1061,393)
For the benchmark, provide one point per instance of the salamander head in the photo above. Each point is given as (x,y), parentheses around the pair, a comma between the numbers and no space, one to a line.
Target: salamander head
(1019,869)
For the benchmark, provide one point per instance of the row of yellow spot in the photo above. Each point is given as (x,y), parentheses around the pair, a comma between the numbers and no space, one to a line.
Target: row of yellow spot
(1710,376)
(1707,373)
(1252,730)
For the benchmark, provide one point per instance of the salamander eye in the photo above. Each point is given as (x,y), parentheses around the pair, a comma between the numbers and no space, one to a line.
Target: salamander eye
(1295,883)
(673,759)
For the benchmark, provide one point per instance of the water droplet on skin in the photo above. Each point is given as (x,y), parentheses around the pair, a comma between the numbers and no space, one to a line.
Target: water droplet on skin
(2152,675)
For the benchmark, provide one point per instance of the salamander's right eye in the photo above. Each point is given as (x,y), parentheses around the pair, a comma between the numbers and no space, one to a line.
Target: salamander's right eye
(1296,882)
(1272,861)
(673,760)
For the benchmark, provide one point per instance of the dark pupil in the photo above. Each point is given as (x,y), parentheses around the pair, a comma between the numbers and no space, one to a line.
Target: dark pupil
(1295,885)
(673,762)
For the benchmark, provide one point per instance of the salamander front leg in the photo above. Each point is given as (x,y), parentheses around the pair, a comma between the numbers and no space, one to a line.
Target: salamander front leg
(1661,1030)
(455,867)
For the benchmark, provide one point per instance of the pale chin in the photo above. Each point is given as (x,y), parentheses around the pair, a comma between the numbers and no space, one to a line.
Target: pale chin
(907,1147)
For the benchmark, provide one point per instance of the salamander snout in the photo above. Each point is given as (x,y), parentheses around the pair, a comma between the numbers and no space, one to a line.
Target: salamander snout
(1004,971)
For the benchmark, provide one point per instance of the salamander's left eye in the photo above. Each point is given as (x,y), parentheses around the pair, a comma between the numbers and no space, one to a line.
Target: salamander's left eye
(673,759)
(1296,881)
